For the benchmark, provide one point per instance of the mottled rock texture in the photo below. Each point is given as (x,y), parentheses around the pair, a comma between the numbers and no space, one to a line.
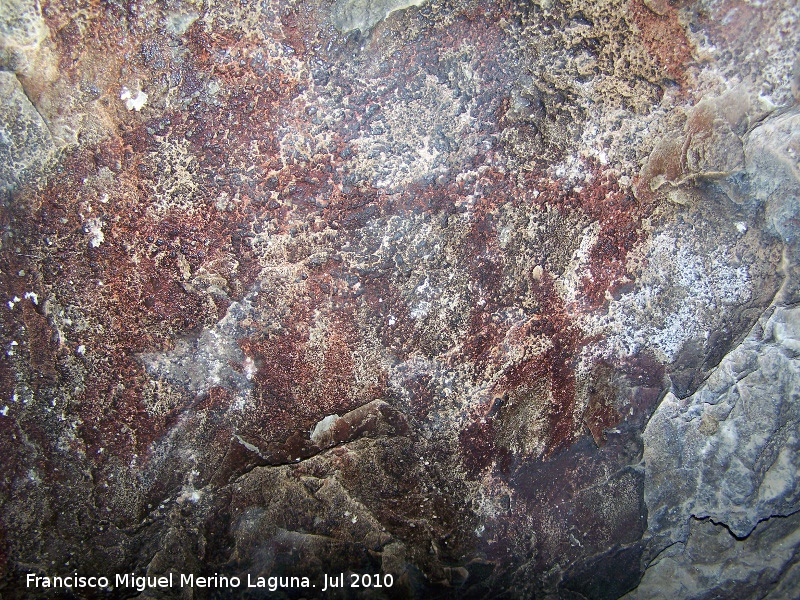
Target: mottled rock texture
(499,298)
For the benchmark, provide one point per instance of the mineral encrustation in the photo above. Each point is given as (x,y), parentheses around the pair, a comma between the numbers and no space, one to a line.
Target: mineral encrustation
(499,299)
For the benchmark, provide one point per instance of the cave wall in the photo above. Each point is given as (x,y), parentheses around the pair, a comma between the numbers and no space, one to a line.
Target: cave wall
(498,298)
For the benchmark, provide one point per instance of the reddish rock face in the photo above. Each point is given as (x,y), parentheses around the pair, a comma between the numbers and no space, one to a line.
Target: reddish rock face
(294,301)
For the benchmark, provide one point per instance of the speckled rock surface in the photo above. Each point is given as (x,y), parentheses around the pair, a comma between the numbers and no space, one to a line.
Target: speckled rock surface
(26,142)
(496,298)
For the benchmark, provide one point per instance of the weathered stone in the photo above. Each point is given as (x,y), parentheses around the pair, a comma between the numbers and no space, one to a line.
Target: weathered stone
(729,453)
(474,294)
(712,562)
(773,169)
(363,15)
(25,142)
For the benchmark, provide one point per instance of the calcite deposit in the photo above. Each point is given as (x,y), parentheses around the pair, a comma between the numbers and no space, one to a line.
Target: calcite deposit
(461,298)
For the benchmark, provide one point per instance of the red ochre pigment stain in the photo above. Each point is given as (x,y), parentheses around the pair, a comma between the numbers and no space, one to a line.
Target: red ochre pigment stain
(619,218)
(249,165)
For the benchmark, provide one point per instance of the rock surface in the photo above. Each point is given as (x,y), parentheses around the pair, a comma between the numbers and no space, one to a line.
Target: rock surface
(497,298)
(724,462)
(25,142)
